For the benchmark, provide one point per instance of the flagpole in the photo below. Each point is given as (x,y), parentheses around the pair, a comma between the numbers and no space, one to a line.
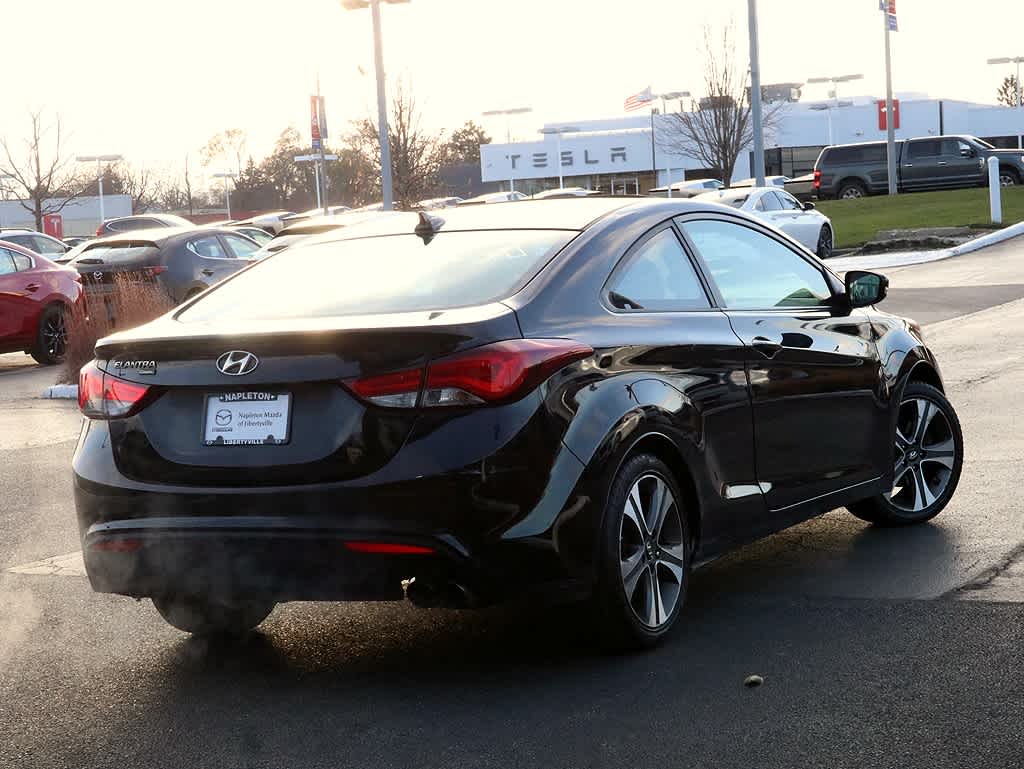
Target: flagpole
(654,165)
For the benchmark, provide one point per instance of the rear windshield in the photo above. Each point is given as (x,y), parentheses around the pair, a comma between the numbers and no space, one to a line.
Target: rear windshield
(116,253)
(393,273)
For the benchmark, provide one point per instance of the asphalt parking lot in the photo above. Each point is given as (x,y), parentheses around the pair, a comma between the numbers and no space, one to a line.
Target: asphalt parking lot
(878,647)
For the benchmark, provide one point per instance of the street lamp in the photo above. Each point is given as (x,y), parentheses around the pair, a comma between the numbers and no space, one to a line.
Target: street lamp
(834,80)
(100,159)
(1013,60)
(755,95)
(558,131)
(382,104)
(227,195)
(508,132)
(827,108)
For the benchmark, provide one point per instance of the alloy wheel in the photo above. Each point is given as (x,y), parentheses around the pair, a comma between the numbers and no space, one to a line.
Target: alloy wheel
(1006,180)
(851,193)
(925,455)
(55,335)
(825,242)
(651,551)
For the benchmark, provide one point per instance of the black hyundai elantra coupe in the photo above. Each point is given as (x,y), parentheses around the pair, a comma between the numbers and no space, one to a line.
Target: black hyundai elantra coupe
(568,399)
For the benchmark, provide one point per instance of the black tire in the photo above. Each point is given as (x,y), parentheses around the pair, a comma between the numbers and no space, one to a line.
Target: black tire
(51,337)
(206,618)
(662,559)
(851,191)
(1008,177)
(825,242)
(927,465)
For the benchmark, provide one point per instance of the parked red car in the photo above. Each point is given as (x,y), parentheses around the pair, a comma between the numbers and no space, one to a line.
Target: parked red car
(35,295)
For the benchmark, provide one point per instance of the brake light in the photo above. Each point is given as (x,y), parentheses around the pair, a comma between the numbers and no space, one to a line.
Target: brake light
(388,548)
(817,179)
(117,545)
(103,396)
(503,371)
(157,270)
(99,230)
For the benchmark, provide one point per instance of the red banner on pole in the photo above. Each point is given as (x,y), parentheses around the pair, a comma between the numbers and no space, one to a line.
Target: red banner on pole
(892,7)
(314,121)
(883,123)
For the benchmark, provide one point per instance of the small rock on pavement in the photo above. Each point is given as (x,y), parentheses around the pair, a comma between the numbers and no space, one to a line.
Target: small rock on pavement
(751,681)
(68,391)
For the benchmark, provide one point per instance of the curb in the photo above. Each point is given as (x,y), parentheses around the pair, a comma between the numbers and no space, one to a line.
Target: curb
(907,258)
(61,391)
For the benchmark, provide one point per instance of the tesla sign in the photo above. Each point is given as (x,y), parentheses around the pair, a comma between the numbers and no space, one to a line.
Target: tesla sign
(579,156)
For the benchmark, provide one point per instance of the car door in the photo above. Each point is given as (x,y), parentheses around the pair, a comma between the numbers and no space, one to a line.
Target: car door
(921,169)
(820,423)
(963,167)
(655,296)
(803,226)
(769,208)
(211,261)
(18,306)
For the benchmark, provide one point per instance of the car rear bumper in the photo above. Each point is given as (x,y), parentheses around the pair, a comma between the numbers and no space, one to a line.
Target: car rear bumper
(272,558)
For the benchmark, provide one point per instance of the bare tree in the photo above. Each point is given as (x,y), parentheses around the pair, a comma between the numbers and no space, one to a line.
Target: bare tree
(415,154)
(719,126)
(136,183)
(42,176)
(1007,92)
(227,146)
(174,193)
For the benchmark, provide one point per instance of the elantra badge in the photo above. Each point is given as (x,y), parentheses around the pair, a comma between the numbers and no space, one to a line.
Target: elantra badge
(237,363)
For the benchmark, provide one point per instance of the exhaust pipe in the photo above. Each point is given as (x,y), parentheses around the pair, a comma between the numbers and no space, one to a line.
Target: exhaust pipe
(426,594)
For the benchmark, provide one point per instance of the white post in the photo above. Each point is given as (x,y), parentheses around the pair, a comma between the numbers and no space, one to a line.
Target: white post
(995,191)
(558,144)
(227,197)
(1020,128)
(99,180)
(316,175)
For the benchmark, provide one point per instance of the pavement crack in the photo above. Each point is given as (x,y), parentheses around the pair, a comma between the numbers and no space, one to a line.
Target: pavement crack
(992,573)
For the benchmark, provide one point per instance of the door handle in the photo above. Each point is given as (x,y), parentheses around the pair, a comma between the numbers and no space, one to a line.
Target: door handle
(767,347)
(908,165)
(32,287)
(942,163)
(207,272)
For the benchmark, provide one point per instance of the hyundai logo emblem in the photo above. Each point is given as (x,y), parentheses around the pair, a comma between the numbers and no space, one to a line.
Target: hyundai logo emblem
(237,362)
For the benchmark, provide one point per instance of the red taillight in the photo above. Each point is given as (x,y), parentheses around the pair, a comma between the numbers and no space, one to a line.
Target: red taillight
(157,270)
(502,371)
(99,230)
(117,545)
(817,179)
(102,396)
(388,548)
(399,390)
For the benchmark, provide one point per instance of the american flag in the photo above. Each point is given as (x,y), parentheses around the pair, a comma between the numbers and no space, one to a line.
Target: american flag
(638,100)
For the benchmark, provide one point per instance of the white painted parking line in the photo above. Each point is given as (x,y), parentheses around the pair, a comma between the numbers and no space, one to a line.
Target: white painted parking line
(70,565)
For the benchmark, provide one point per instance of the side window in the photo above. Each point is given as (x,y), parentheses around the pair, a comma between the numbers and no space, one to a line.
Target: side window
(209,247)
(47,247)
(657,276)
(21,262)
(769,202)
(6,262)
(21,240)
(963,149)
(241,247)
(788,202)
(925,149)
(753,271)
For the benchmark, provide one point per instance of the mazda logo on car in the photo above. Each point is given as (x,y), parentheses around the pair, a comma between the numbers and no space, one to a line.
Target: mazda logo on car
(98,275)
(237,362)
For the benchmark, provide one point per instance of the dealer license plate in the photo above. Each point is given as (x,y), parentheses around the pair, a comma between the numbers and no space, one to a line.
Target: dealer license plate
(247,419)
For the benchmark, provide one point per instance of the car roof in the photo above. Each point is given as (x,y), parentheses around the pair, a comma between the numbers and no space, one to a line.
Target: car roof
(160,235)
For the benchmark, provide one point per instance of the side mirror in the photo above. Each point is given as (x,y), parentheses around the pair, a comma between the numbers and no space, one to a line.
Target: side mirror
(865,288)
(966,152)
(808,206)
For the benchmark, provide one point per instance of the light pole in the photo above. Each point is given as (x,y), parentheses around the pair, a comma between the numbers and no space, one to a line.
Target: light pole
(382,104)
(755,95)
(835,81)
(508,132)
(316,160)
(227,193)
(1013,60)
(558,144)
(827,108)
(663,96)
(100,159)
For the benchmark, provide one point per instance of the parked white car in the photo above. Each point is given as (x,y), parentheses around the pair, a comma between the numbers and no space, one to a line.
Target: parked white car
(799,220)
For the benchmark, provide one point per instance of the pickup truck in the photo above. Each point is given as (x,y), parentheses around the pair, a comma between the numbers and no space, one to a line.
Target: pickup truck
(932,163)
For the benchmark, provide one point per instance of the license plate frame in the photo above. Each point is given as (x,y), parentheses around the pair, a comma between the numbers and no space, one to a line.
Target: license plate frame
(225,415)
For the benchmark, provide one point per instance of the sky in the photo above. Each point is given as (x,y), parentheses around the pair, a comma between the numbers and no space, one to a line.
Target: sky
(154,79)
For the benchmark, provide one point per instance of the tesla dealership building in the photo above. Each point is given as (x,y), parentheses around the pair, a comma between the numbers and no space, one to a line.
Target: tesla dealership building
(623,156)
